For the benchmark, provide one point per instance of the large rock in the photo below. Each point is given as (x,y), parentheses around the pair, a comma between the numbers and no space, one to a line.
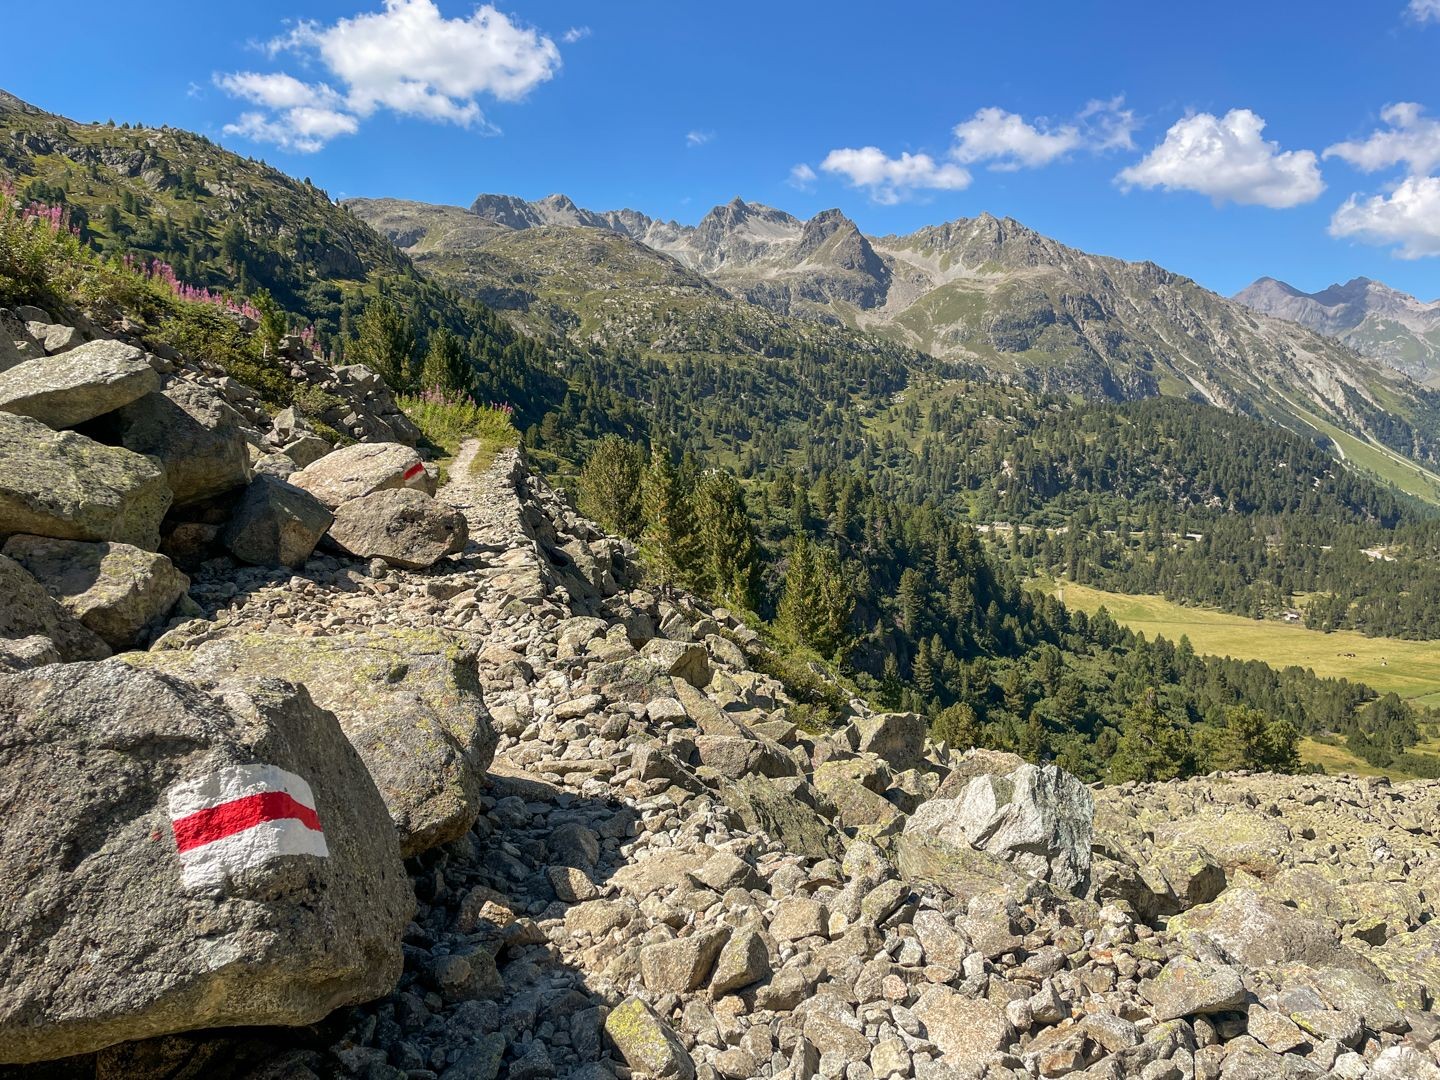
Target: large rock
(193,432)
(787,811)
(275,524)
(1038,818)
(406,528)
(116,590)
(112,933)
(29,612)
(898,738)
(408,700)
(86,382)
(64,485)
(1187,987)
(16,344)
(967,1031)
(646,1042)
(353,472)
(1260,931)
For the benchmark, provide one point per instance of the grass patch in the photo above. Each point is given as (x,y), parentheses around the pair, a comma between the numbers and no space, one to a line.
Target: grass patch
(448,419)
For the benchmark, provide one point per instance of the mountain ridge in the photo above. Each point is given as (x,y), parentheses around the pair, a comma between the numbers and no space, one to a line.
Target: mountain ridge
(1373,318)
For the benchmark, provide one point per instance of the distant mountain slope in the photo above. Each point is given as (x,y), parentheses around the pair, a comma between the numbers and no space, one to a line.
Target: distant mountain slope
(1369,316)
(982,291)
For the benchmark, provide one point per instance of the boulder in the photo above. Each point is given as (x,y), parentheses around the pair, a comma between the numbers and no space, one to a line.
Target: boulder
(647,1043)
(406,528)
(352,472)
(1187,987)
(116,590)
(64,485)
(29,613)
(897,738)
(306,450)
(1040,819)
(275,524)
(1259,931)
(129,913)
(408,700)
(88,381)
(55,338)
(195,435)
(785,810)
(967,1031)
(16,344)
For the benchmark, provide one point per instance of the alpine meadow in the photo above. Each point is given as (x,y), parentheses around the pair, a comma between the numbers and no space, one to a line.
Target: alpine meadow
(953,611)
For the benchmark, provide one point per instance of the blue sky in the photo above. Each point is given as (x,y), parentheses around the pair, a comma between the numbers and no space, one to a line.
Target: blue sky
(1125,128)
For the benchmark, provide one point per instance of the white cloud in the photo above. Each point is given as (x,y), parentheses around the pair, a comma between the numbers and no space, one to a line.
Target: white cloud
(1009,142)
(891,180)
(1108,125)
(802,177)
(698,138)
(407,58)
(574,34)
(1226,158)
(1409,216)
(1412,138)
(1425,10)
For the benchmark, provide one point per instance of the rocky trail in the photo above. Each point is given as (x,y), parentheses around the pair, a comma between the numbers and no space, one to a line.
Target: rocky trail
(571,830)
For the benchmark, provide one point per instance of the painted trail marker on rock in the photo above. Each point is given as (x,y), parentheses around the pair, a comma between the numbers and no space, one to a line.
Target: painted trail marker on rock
(241,817)
(415,474)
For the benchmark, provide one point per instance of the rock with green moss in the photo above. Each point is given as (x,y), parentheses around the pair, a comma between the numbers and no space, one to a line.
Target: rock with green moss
(408,700)
(1189,987)
(64,485)
(116,590)
(86,382)
(786,809)
(647,1043)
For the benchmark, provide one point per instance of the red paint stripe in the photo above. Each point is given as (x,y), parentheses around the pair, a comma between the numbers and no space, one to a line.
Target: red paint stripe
(414,470)
(218,822)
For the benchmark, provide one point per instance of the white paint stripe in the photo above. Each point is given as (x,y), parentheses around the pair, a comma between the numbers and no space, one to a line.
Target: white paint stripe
(235,782)
(213,863)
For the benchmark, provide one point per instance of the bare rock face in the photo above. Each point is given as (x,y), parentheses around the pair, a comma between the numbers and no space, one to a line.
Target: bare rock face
(353,472)
(64,485)
(194,434)
(406,528)
(1038,818)
(275,524)
(179,857)
(16,344)
(407,700)
(85,382)
(115,590)
(31,620)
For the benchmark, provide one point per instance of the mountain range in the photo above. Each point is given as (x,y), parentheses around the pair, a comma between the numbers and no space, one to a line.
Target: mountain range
(983,292)
(1369,316)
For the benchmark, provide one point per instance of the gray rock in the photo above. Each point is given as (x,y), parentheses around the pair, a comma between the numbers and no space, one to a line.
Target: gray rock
(117,591)
(306,450)
(967,1031)
(682,965)
(275,524)
(744,960)
(64,485)
(1039,819)
(29,612)
(785,810)
(408,700)
(86,382)
(406,528)
(194,434)
(110,934)
(54,338)
(646,1042)
(898,738)
(16,344)
(352,472)
(1188,987)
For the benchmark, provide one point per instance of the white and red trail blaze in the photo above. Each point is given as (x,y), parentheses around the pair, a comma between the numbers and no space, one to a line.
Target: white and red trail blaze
(241,817)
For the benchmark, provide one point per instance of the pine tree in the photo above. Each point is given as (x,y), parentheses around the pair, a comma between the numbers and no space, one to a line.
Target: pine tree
(610,486)
(728,558)
(666,512)
(445,367)
(384,342)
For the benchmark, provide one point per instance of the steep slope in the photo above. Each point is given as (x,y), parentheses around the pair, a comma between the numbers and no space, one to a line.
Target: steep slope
(984,292)
(1369,316)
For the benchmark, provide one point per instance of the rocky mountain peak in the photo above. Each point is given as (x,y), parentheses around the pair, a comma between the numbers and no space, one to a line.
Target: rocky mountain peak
(508,210)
